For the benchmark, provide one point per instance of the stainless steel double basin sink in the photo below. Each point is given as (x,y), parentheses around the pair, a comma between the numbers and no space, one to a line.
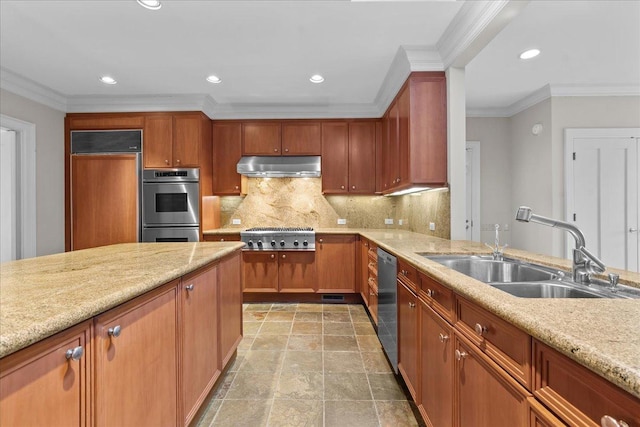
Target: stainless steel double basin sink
(526,280)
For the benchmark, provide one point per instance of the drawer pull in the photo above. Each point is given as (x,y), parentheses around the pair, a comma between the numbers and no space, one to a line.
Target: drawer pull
(74,353)
(189,287)
(273,256)
(431,293)
(115,331)
(412,304)
(460,355)
(283,256)
(480,329)
(608,421)
(444,337)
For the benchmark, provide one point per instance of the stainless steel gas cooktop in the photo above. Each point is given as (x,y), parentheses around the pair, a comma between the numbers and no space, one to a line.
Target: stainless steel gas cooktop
(279,239)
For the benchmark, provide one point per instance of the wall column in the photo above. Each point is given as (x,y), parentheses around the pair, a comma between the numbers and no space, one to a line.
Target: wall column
(456,144)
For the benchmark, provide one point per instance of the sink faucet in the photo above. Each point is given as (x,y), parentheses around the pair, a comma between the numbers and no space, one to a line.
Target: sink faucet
(584,262)
(497,250)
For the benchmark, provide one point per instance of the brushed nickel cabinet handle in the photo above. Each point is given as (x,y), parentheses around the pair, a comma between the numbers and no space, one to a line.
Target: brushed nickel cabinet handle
(178,161)
(286,150)
(115,331)
(284,256)
(273,256)
(480,329)
(609,421)
(189,287)
(431,293)
(460,355)
(74,353)
(166,162)
(443,337)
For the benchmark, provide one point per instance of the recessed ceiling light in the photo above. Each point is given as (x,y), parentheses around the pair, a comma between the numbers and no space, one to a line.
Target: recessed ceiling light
(150,4)
(108,80)
(214,79)
(528,54)
(316,78)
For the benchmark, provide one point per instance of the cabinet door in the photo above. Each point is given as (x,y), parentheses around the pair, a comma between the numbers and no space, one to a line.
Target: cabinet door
(373,303)
(229,308)
(402,177)
(336,260)
(362,158)
(187,138)
(261,139)
(260,271)
(40,386)
(487,396)
(301,139)
(364,269)
(436,375)
(335,158)
(136,362)
(391,154)
(297,271)
(200,366)
(158,141)
(408,338)
(227,151)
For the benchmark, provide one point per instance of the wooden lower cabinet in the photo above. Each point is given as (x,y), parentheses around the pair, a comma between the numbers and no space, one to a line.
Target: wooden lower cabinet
(200,365)
(136,354)
(297,271)
(260,271)
(436,362)
(363,269)
(485,395)
(408,338)
(229,308)
(335,263)
(539,416)
(40,386)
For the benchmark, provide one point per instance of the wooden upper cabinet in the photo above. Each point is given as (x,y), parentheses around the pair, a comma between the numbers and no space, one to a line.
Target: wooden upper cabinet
(227,151)
(261,139)
(301,139)
(415,134)
(158,141)
(174,140)
(335,158)
(105,121)
(362,157)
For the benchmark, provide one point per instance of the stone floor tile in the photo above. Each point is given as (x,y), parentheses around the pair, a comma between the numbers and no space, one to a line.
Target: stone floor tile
(340,343)
(296,413)
(305,342)
(335,307)
(375,362)
(254,316)
(251,328)
(209,413)
(300,385)
(246,342)
(343,361)
(385,387)
(223,385)
(270,342)
(303,361)
(364,328)
(234,413)
(280,316)
(262,361)
(336,316)
(258,307)
(335,328)
(356,308)
(395,413)
(308,316)
(306,328)
(346,386)
(310,307)
(357,316)
(275,328)
(284,307)
(234,365)
(368,342)
(351,414)
(253,385)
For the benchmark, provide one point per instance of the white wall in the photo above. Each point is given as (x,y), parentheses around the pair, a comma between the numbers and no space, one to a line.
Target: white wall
(495,173)
(49,166)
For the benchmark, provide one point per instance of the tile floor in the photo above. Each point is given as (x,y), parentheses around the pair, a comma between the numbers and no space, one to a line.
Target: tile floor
(308,365)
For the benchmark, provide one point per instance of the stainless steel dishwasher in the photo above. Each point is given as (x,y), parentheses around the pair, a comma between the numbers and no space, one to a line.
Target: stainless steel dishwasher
(388,306)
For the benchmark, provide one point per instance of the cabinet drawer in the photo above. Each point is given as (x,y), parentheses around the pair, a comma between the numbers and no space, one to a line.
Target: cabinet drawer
(408,275)
(504,343)
(235,237)
(577,395)
(437,296)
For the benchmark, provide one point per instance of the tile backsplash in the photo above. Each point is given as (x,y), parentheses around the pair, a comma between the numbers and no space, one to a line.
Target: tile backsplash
(299,202)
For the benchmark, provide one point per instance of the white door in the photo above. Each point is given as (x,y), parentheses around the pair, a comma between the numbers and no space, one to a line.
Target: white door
(602,193)
(472,178)
(8,181)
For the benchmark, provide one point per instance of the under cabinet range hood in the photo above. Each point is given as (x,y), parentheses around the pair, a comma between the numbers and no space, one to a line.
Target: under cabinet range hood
(279,167)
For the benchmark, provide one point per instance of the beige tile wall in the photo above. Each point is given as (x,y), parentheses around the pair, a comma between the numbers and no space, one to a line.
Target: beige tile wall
(299,202)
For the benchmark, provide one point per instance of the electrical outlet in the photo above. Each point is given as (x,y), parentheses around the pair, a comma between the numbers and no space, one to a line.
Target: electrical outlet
(388,221)
(236,221)
(400,222)
(505,227)
(342,221)
(432,226)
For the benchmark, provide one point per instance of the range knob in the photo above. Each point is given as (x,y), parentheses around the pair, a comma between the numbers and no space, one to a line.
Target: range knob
(281,242)
(295,243)
(305,243)
(259,243)
(250,243)
(273,243)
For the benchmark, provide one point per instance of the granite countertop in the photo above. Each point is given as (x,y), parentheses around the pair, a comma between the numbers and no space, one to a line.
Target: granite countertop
(45,295)
(600,334)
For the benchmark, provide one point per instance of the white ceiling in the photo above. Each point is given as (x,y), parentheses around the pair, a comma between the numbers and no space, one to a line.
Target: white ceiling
(265,52)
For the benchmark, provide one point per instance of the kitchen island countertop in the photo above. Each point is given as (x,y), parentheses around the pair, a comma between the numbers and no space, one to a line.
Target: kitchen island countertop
(45,295)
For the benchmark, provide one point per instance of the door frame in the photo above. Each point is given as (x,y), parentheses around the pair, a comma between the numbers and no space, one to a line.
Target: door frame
(474,146)
(569,135)
(26,196)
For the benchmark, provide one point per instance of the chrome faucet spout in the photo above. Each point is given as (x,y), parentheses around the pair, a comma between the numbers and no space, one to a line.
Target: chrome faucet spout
(524,215)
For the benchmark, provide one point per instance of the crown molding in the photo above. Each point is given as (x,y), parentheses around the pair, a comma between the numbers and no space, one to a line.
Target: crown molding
(125,103)
(294,111)
(29,89)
